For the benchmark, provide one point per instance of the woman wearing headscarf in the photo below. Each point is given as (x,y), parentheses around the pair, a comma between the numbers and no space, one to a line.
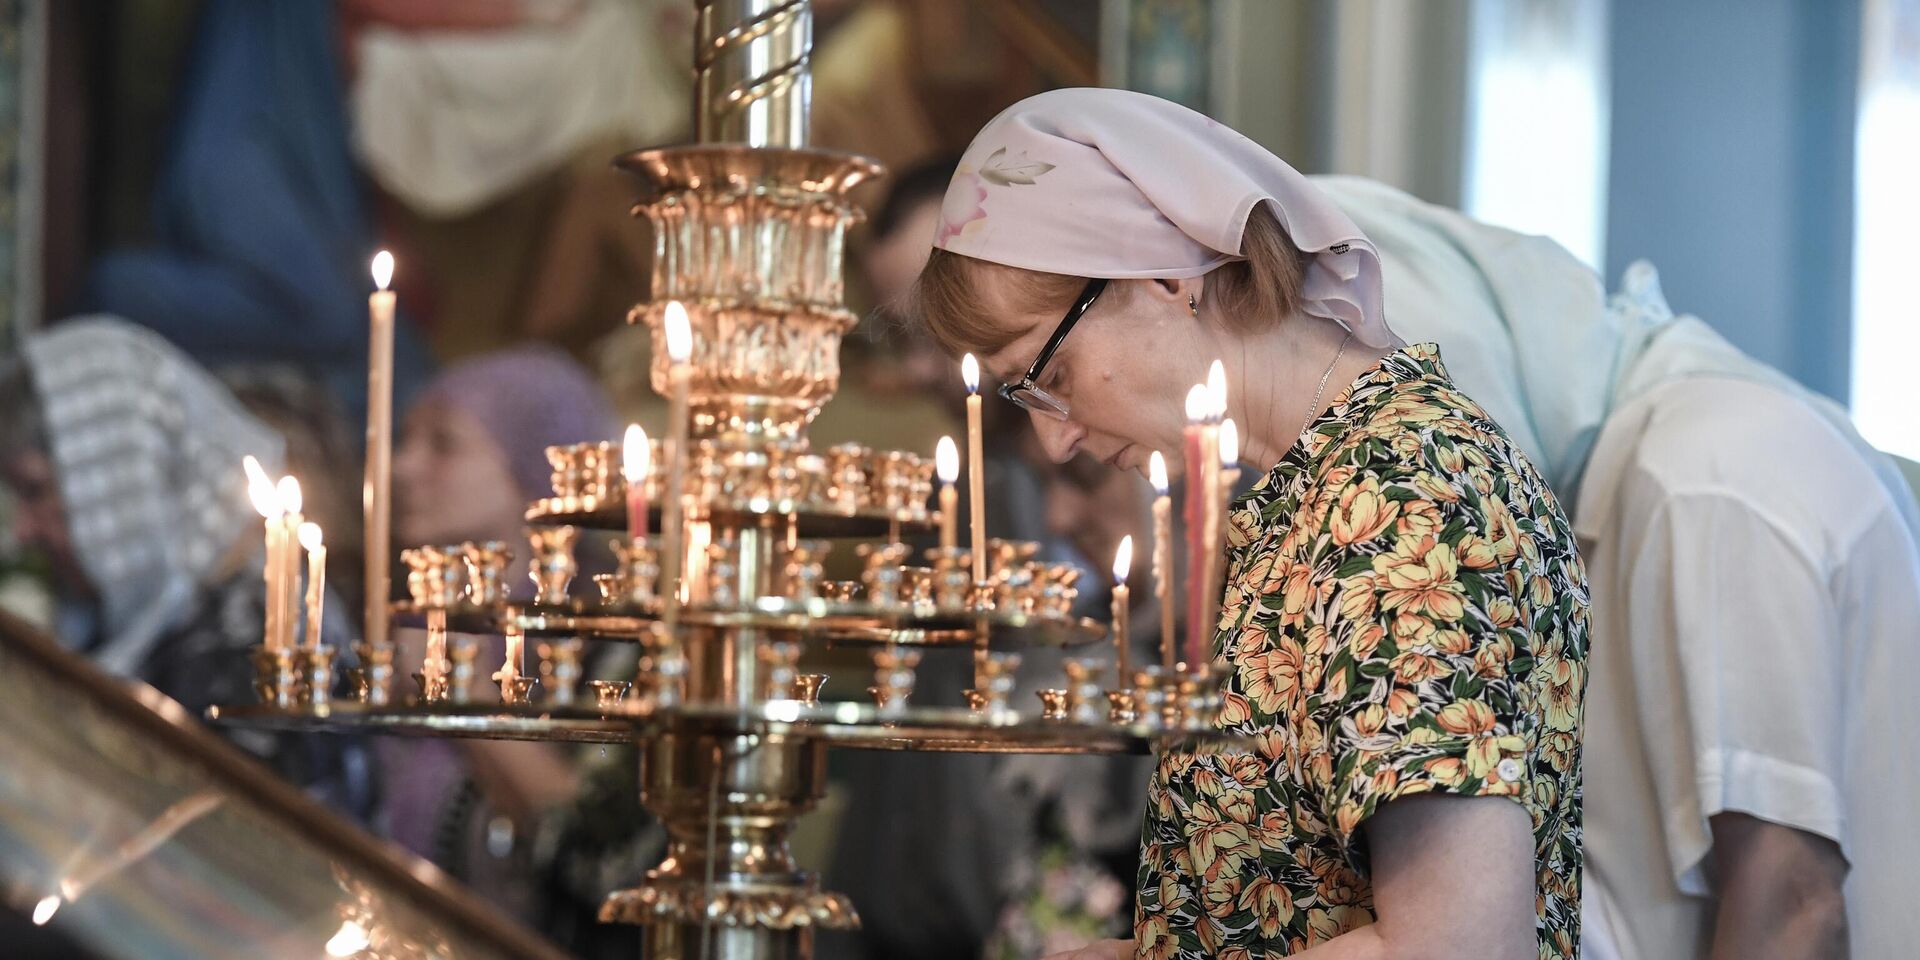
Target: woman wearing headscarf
(529,825)
(125,459)
(1756,585)
(1405,617)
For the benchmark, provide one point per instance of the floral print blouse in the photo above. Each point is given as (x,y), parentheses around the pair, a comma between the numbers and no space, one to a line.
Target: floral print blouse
(1405,613)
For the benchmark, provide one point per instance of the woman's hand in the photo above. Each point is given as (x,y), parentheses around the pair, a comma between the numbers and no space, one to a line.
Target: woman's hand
(1102,950)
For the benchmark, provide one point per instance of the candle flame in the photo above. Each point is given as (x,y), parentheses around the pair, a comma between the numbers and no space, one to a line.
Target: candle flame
(289,493)
(383,269)
(1229,444)
(45,909)
(260,490)
(679,332)
(1123,559)
(970,373)
(310,536)
(1198,403)
(636,454)
(946,459)
(1216,391)
(1157,473)
(349,940)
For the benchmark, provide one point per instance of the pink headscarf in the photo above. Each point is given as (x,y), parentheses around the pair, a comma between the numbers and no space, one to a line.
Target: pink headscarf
(1093,182)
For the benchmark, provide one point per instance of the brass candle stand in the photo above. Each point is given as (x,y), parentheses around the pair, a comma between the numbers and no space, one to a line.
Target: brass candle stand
(749,230)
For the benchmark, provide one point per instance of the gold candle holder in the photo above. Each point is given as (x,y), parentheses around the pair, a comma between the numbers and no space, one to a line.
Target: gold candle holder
(375,684)
(316,684)
(276,676)
(553,565)
(487,564)
(993,694)
(465,653)
(1053,704)
(806,687)
(893,678)
(607,693)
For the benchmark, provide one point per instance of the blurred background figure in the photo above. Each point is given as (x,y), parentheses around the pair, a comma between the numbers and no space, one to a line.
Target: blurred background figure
(260,230)
(541,829)
(124,459)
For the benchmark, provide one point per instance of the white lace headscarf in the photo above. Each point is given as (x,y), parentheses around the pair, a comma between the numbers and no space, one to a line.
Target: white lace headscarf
(146,449)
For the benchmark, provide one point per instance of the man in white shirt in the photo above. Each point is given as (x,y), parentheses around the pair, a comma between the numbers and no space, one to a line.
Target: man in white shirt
(1752,741)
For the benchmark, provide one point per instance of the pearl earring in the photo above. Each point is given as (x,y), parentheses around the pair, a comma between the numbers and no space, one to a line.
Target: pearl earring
(1193,306)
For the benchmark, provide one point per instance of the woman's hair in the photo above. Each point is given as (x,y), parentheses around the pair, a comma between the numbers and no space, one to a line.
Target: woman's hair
(1262,289)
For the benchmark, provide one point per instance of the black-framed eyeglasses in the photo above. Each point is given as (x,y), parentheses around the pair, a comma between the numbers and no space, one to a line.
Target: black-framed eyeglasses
(1026,392)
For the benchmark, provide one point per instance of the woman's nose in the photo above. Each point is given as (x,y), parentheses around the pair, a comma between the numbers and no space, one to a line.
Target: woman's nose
(1060,438)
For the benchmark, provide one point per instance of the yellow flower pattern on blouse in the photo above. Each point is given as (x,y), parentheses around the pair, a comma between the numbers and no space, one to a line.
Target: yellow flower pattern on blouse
(1405,613)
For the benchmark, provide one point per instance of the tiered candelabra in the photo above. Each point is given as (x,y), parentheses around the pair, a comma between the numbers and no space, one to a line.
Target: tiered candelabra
(724,599)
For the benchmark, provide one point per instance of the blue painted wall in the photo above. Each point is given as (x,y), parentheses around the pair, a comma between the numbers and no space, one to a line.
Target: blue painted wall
(1732,169)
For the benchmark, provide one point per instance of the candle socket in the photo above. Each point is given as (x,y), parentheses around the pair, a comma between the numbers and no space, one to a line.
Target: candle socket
(661,678)
(1057,590)
(316,664)
(893,677)
(1083,692)
(607,693)
(723,573)
(276,676)
(1154,695)
(802,565)
(781,659)
(560,664)
(487,563)
(374,687)
(1053,704)
(517,691)
(553,565)
(952,577)
(840,591)
(806,687)
(1120,706)
(465,652)
(997,677)
(882,576)
(638,576)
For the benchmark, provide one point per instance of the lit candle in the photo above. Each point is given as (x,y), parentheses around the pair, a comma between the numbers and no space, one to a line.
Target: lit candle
(977,507)
(266,500)
(1122,562)
(1162,555)
(679,337)
(946,461)
(1229,459)
(316,579)
(376,491)
(1193,443)
(287,593)
(636,461)
(1200,645)
(976,464)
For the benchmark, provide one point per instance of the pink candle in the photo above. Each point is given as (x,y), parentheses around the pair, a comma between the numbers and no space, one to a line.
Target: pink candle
(1194,457)
(635,466)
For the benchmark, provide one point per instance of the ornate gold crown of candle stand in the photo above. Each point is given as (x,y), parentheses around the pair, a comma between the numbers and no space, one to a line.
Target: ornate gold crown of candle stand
(749,228)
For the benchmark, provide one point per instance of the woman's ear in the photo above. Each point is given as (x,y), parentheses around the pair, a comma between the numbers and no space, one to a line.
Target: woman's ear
(1184,291)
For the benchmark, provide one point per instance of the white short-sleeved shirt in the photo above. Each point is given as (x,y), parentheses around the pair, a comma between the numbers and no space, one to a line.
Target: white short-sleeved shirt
(1755,649)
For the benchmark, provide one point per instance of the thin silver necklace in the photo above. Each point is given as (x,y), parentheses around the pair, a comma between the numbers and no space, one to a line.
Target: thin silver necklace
(1313,409)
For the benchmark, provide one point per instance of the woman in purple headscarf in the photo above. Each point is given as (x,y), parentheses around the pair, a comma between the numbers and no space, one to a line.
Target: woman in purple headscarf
(471,455)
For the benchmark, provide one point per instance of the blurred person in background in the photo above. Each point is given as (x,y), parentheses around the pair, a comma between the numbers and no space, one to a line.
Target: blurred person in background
(124,458)
(541,829)
(488,127)
(261,232)
(1755,570)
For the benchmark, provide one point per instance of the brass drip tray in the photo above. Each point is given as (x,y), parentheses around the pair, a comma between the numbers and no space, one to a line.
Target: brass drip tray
(845,724)
(812,518)
(842,622)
